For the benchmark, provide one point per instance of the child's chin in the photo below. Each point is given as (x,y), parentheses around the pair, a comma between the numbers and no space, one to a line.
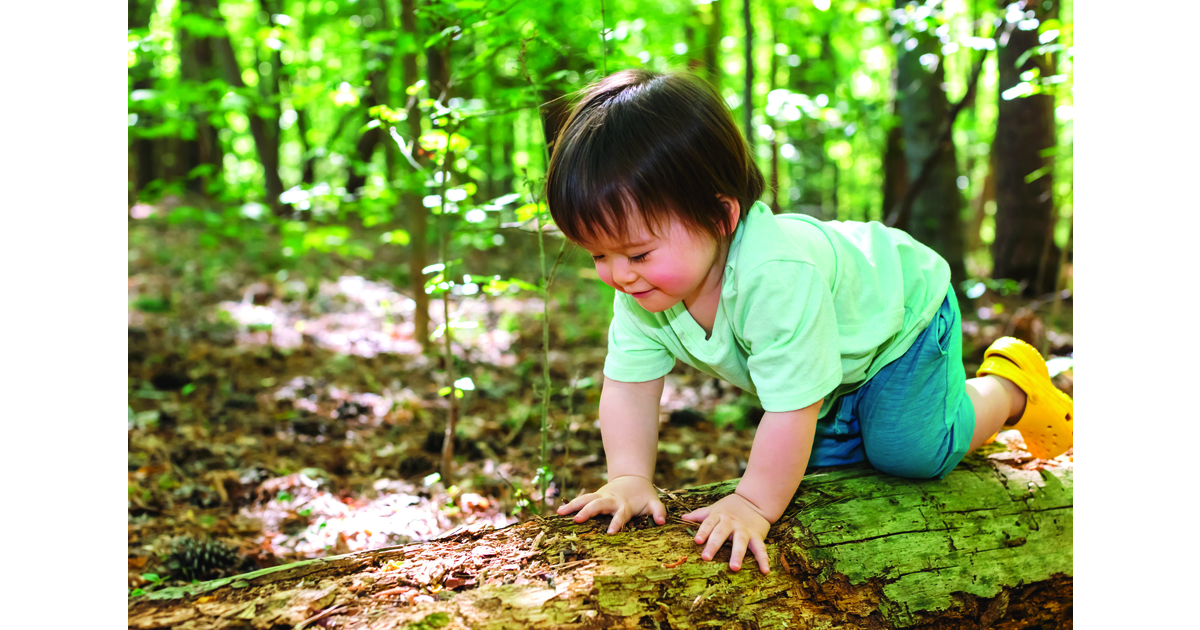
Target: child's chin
(655,305)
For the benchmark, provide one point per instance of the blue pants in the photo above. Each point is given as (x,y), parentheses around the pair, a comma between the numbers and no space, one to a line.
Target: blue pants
(913,418)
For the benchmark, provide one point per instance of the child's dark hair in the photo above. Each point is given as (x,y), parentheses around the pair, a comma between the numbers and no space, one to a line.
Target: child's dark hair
(651,143)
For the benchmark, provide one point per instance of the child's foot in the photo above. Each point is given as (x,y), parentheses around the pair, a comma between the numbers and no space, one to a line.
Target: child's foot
(1046,424)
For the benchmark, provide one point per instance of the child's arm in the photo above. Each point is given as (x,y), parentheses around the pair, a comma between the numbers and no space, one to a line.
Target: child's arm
(782,446)
(629,428)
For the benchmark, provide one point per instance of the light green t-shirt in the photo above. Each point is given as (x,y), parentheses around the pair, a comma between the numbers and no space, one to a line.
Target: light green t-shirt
(809,310)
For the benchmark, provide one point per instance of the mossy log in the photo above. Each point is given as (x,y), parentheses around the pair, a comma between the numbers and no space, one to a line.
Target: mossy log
(989,546)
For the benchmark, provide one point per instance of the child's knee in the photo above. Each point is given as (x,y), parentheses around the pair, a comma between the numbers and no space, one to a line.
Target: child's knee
(909,466)
(910,462)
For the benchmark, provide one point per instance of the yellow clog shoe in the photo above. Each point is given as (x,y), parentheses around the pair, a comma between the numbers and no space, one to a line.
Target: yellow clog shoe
(1046,424)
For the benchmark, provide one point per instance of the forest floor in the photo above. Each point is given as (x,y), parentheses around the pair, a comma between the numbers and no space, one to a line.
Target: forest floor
(291,415)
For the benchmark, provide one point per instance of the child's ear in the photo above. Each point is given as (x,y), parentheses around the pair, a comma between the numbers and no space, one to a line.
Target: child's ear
(734,208)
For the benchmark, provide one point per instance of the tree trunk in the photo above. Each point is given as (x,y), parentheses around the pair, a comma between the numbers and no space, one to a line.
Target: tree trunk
(936,215)
(364,149)
(895,167)
(258,128)
(989,546)
(772,83)
(1024,130)
(198,66)
(268,86)
(987,193)
(712,45)
(748,91)
(418,215)
(694,62)
(142,151)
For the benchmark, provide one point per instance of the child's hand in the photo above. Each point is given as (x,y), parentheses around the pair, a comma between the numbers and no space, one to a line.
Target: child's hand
(623,497)
(738,520)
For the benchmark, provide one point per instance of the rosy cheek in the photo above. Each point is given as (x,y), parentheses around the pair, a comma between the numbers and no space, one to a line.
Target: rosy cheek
(669,280)
(605,274)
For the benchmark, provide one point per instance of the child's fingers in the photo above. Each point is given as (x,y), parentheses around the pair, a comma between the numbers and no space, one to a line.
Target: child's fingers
(696,516)
(601,505)
(759,549)
(719,535)
(658,511)
(577,503)
(739,549)
(705,527)
(620,515)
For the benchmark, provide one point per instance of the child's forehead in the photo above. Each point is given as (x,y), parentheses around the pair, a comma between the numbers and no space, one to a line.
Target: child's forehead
(634,234)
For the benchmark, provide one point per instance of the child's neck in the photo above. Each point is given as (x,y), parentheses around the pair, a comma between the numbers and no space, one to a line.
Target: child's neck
(704,304)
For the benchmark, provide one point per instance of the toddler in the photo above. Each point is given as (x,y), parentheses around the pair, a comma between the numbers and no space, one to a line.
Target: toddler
(847,332)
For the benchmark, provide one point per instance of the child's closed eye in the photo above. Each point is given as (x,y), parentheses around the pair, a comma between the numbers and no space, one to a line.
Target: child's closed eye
(636,259)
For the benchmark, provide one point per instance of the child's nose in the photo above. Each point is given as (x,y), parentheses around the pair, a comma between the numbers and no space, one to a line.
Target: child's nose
(622,273)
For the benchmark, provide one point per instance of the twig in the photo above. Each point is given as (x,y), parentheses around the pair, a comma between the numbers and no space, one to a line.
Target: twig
(672,565)
(319,616)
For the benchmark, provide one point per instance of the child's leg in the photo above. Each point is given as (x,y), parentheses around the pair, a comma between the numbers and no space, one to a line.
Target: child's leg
(916,416)
(1041,412)
(996,400)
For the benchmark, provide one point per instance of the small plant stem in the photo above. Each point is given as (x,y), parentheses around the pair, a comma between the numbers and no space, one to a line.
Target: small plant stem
(545,365)
(603,40)
(451,374)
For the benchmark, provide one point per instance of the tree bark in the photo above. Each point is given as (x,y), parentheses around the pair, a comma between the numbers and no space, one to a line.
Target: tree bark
(1024,130)
(936,215)
(258,127)
(989,546)
(418,215)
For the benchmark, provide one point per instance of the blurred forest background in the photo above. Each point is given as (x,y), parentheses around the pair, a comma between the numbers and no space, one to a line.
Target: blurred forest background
(339,259)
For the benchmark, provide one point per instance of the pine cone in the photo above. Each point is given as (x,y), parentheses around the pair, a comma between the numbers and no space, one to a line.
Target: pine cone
(191,559)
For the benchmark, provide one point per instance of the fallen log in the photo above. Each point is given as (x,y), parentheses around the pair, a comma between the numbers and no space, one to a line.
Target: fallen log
(989,546)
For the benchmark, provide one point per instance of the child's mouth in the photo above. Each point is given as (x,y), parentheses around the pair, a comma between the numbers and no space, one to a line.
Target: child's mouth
(642,294)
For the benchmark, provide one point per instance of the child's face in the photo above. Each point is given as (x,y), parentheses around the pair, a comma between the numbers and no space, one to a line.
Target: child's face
(658,271)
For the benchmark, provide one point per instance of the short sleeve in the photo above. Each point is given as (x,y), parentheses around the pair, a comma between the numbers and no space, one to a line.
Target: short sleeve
(634,355)
(787,323)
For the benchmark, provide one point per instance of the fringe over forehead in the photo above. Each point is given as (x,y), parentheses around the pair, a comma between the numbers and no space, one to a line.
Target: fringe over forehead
(644,146)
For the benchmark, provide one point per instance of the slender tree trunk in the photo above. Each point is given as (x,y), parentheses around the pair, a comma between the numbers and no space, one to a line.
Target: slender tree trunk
(198,66)
(772,85)
(269,86)
(364,149)
(417,212)
(694,61)
(748,92)
(437,67)
(986,193)
(308,172)
(936,216)
(1025,130)
(895,166)
(142,151)
(555,106)
(712,45)
(258,127)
